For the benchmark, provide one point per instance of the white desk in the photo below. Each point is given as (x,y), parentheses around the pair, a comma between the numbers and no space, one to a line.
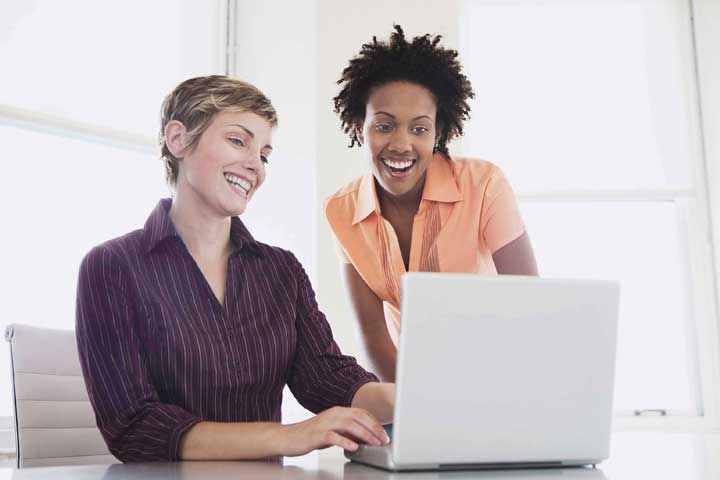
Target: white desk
(634,456)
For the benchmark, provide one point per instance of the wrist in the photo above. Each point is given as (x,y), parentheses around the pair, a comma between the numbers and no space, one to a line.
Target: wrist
(279,439)
(378,399)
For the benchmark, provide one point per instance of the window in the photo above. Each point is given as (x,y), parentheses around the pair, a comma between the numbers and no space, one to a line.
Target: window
(79,102)
(591,109)
(78,123)
(106,64)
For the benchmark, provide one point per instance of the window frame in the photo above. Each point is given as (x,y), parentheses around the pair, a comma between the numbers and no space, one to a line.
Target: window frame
(701,230)
(95,133)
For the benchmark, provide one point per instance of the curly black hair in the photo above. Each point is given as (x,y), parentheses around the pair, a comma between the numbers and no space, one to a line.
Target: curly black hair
(420,61)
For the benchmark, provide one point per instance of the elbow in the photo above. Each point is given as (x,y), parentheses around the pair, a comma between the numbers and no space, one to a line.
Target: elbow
(128,447)
(122,455)
(117,445)
(128,453)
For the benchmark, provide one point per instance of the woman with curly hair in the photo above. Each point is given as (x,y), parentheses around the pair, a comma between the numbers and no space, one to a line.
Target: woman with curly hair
(418,208)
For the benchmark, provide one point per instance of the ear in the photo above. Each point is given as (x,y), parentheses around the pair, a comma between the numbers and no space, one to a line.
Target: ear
(438,135)
(359,134)
(439,127)
(175,138)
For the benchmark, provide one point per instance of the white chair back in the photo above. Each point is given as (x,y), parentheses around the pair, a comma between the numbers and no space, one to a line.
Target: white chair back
(54,420)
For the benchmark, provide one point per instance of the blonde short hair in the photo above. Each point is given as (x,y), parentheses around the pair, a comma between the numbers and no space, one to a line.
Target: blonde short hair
(195,102)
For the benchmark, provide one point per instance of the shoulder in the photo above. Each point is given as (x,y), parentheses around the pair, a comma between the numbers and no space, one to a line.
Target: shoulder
(113,256)
(474,170)
(341,205)
(476,177)
(120,248)
(276,258)
(274,253)
(279,266)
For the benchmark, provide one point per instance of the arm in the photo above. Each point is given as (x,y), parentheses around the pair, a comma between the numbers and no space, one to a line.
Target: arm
(232,441)
(502,229)
(342,427)
(324,380)
(321,377)
(379,348)
(516,258)
(378,399)
(135,424)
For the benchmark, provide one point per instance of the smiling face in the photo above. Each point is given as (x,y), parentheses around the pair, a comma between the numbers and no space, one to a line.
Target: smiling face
(227,165)
(398,134)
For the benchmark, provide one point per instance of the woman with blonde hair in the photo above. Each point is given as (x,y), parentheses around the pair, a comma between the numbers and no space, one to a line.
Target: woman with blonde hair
(188,328)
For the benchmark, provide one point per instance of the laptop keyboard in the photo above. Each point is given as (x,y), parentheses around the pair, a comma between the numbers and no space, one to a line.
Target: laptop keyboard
(389,430)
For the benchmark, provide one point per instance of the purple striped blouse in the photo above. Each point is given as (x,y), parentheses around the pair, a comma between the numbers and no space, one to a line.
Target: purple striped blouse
(159,352)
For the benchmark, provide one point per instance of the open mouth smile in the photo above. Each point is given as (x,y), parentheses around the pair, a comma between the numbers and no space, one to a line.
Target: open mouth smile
(241,185)
(398,167)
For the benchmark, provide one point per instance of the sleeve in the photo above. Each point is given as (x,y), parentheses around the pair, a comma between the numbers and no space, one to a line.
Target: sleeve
(321,376)
(330,217)
(500,220)
(136,426)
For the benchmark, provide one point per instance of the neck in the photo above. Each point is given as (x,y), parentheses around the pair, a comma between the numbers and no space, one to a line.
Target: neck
(205,234)
(407,202)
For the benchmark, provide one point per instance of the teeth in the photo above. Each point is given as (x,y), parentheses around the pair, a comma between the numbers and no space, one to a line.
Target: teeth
(238,182)
(398,165)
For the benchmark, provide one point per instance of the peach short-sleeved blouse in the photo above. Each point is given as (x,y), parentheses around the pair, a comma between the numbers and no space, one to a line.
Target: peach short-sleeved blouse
(468,211)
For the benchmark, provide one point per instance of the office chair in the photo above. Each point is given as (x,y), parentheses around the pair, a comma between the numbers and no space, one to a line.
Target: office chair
(54,420)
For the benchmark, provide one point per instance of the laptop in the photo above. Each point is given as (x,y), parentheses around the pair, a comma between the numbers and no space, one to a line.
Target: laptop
(357,471)
(501,372)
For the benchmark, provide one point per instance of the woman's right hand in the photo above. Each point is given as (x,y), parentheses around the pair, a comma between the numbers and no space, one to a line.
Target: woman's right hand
(339,426)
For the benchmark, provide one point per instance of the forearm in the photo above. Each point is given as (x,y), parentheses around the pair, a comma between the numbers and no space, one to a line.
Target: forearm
(381,354)
(378,399)
(232,441)
(378,347)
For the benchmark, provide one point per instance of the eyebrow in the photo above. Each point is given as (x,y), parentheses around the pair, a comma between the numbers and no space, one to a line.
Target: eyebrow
(249,132)
(393,116)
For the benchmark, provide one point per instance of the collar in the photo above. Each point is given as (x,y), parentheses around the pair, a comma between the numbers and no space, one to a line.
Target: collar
(367,201)
(440,186)
(159,227)
(440,182)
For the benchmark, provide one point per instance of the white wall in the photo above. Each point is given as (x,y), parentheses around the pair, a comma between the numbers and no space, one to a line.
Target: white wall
(342,28)
(276,51)
(294,52)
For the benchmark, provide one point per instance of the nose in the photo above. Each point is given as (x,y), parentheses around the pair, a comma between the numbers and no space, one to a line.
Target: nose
(253,161)
(400,141)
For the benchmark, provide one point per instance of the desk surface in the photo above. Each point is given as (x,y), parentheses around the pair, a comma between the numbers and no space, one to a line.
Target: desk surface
(652,456)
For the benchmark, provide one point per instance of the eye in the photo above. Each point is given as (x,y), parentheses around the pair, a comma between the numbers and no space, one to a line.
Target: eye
(383,127)
(420,130)
(264,159)
(237,141)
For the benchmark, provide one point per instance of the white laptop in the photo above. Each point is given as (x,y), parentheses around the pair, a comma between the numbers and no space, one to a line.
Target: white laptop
(501,372)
